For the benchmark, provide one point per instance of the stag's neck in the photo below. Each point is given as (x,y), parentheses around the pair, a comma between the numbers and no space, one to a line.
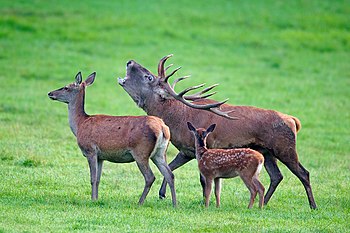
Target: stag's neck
(76,112)
(170,110)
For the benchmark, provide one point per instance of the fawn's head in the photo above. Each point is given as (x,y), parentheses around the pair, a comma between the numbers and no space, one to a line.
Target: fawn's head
(69,92)
(201,134)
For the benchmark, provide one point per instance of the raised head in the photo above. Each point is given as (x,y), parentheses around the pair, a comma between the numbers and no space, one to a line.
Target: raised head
(142,85)
(69,92)
(201,134)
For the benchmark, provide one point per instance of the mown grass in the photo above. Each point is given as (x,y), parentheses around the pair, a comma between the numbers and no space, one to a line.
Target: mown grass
(288,56)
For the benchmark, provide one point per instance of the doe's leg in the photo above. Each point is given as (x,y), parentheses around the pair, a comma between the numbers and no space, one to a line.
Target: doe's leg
(177,162)
(160,162)
(92,160)
(148,176)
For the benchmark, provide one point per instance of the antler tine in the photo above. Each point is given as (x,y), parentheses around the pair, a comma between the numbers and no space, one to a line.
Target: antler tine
(161,71)
(171,74)
(190,89)
(214,107)
(198,94)
(224,114)
(166,68)
(197,97)
(178,80)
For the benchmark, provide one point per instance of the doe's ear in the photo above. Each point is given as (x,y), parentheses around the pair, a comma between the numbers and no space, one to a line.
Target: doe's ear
(78,78)
(191,127)
(90,80)
(211,128)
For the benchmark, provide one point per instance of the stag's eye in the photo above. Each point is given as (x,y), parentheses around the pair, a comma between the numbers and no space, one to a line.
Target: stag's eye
(149,77)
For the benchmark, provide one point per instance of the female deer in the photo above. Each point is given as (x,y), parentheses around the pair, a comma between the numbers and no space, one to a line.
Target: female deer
(118,139)
(214,164)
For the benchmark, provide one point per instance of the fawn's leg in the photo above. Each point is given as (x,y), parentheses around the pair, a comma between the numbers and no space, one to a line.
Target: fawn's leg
(217,182)
(208,184)
(261,191)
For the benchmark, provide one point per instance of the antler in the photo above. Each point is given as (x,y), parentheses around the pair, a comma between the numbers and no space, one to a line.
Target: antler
(214,107)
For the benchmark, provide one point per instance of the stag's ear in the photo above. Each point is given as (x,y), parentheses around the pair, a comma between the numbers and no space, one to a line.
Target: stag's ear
(78,78)
(90,80)
(191,127)
(211,128)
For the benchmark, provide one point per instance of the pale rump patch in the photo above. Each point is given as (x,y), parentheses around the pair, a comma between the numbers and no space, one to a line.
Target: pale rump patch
(258,170)
(161,144)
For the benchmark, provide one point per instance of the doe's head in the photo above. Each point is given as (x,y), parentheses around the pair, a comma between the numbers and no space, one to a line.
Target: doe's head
(201,134)
(69,92)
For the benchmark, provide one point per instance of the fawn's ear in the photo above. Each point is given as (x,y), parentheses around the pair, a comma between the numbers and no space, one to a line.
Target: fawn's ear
(191,127)
(211,128)
(90,80)
(78,78)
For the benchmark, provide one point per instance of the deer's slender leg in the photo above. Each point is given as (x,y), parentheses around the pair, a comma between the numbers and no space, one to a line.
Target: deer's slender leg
(160,162)
(248,181)
(217,182)
(92,160)
(148,175)
(303,175)
(274,173)
(208,186)
(261,191)
(177,162)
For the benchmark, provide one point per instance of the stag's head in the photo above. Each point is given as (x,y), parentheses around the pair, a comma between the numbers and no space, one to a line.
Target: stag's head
(142,85)
(69,92)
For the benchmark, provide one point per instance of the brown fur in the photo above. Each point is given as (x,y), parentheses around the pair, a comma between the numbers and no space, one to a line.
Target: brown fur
(118,139)
(270,132)
(215,164)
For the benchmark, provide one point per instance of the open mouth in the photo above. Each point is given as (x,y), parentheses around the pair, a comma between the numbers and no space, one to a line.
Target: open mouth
(121,81)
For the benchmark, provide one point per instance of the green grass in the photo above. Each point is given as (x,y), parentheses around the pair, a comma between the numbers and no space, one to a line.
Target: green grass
(289,56)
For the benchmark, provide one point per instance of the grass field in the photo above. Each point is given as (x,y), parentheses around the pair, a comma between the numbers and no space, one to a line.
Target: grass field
(292,56)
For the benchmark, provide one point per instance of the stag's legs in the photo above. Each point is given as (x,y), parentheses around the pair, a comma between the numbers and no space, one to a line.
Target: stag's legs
(160,162)
(177,162)
(217,182)
(207,191)
(303,175)
(274,173)
(148,175)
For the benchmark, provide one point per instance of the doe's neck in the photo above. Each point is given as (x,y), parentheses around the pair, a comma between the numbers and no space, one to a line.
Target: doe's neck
(76,111)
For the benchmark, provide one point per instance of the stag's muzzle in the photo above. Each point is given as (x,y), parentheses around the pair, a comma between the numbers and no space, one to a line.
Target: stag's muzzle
(121,81)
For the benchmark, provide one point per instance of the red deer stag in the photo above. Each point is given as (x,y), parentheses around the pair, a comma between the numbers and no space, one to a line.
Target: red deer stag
(118,139)
(215,164)
(270,132)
